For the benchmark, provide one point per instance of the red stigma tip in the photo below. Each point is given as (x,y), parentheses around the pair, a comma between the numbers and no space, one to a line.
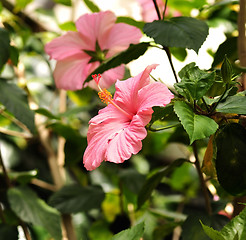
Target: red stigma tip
(96,78)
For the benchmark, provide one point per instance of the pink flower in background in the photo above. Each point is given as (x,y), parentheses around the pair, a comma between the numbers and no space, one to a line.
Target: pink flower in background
(116,132)
(148,9)
(80,53)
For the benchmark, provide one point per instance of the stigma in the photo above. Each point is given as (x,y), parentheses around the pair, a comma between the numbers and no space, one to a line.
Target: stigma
(106,96)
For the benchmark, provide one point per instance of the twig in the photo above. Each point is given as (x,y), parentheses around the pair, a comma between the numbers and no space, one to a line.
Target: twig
(157,9)
(43,184)
(202,181)
(15,133)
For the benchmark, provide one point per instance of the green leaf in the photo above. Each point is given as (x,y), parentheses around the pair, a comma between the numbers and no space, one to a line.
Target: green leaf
(29,208)
(233,104)
(134,233)
(162,113)
(68,26)
(15,100)
(192,228)
(5,47)
(131,21)
(14,55)
(75,144)
(229,48)
(92,6)
(152,181)
(46,113)
(133,52)
(230,158)
(23,177)
(183,32)
(21,4)
(64,2)
(179,53)
(226,70)
(194,81)
(235,229)
(213,234)
(74,198)
(8,232)
(197,126)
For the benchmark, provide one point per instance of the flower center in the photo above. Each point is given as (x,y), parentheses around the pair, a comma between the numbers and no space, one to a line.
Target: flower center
(106,96)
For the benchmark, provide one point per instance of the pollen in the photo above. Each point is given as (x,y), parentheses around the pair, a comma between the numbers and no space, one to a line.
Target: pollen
(105,96)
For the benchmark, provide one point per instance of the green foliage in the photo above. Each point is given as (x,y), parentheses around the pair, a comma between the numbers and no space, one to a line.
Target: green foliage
(15,101)
(8,232)
(153,180)
(74,198)
(64,2)
(233,104)
(182,32)
(230,158)
(91,5)
(68,26)
(133,233)
(130,21)
(133,52)
(226,70)
(26,205)
(5,47)
(194,82)
(21,4)
(197,126)
(235,229)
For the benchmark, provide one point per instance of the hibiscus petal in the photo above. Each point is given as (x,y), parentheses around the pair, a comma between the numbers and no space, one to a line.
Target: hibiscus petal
(121,35)
(65,46)
(126,95)
(126,142)
(99,137)
(69,73)
(96,26)
(109,78)
(154,94)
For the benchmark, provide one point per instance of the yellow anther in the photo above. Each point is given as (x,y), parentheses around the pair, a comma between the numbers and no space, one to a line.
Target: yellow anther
(105,96)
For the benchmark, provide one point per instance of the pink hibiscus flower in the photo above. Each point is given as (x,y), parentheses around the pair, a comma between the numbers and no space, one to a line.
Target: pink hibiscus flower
(80,53)
(116,132)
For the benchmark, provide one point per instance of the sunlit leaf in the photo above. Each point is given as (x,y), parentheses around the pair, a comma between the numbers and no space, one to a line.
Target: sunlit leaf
(68,26)
(197,126)
(64,2)
(183,32)
(134,233)
(91,5)
(27,206)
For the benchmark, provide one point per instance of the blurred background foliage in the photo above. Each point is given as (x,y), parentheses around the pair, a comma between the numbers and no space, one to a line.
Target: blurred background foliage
(111,198)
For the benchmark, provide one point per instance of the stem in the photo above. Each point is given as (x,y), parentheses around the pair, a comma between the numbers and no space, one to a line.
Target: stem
(164,12)
(167,50)
(163,128)
(1,214)
(205,104)
(25,230)
(157,9)
(216,104)
(202,181)
(5,174)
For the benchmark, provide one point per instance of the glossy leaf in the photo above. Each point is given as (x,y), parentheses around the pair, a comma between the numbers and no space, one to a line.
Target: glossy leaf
(28,207)
(230,158)
(233,104)
(197,126)
(152,181)
(133,52)
(74,198)
(134,233)
(5,47)
(183,32)
(235,229)
(194,82)
(15,100)
(92,6)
